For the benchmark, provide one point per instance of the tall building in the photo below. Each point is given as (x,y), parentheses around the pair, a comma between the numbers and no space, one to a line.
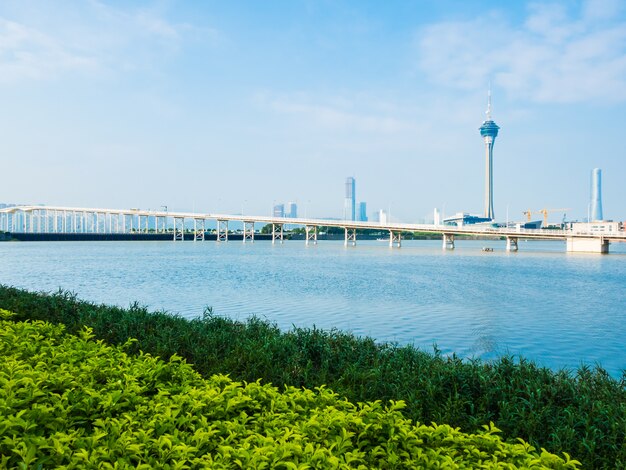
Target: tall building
(292,210)
(279,210)
(596,195)
(383,217)
(349,207)
(489,132)
(362,212)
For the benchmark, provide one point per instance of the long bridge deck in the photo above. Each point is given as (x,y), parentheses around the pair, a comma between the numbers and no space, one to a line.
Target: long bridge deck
(57,219)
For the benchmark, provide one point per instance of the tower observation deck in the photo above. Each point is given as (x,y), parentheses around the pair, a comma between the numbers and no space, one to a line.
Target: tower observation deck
(489,132)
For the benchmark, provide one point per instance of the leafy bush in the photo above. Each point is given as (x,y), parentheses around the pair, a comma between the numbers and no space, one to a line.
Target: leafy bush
(70,401)
(582,412)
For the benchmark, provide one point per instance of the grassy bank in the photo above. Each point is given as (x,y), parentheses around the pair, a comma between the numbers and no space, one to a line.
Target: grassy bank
(582,413)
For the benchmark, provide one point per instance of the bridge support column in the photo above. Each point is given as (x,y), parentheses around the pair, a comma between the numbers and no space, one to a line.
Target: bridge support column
(179,229)
(311,234)
(395,239)
(350,236)
(277,233)
(511,244)
(587,245)
(198,230)
(248,232)
(448,241)
(222,231)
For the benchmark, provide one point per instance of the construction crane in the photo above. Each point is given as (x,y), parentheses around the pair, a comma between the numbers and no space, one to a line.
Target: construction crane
(528,214)
(545,213)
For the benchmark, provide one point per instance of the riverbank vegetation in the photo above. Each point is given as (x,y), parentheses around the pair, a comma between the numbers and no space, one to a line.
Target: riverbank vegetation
(73,402)
(582,412)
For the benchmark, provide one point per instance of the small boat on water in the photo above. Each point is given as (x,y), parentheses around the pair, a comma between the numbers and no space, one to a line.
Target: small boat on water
(487,249)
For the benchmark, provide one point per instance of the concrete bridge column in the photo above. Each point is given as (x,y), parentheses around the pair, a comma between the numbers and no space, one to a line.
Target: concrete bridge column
(277,233)
(179,229)
(448,241)
(311,234)
(395,239)
(222,231)
(350,236)
(511,244)
(248,232)
(198,230)
(587,245)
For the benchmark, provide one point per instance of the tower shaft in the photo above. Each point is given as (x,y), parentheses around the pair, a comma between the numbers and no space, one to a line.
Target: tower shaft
(596,195)
(489,214)
(349,209)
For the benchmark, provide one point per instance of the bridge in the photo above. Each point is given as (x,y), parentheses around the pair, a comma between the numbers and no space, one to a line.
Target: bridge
(75,220)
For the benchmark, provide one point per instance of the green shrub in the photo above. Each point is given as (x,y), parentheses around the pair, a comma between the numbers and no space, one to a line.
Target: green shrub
(582,412)
(71,401)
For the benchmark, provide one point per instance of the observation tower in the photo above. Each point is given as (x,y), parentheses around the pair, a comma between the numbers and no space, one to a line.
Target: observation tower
(489,132)
(596,195)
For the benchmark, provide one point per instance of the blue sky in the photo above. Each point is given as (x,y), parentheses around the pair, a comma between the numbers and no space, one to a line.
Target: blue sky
(223,106)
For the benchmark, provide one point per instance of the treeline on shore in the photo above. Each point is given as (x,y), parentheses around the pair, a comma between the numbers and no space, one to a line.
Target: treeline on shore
(581,412)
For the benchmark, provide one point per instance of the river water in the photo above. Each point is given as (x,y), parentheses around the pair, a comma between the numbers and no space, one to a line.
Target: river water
(558,309)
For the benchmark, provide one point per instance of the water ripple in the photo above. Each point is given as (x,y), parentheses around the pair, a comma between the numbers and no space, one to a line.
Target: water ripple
(556,308)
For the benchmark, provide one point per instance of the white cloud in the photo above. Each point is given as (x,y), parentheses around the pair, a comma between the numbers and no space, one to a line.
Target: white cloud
(28,53)
(90,38)
(553,56)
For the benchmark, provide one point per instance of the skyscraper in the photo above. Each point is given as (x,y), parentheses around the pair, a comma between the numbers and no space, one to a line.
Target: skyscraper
(489,132)
(362,212)
(349,208)
(292,210)
(279,210)
(596,195)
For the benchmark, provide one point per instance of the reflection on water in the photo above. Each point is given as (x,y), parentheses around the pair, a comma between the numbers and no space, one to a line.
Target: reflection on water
(556,308)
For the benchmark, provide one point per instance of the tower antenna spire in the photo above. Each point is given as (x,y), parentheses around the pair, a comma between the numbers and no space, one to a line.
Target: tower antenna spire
(489,103)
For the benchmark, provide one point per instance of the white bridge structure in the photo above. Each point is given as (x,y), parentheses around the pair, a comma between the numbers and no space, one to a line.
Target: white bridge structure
(75,220)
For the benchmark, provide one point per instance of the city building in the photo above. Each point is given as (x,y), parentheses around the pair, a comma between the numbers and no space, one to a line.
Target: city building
(489,132)
(596,195)
(349,207)
(292,210)
(383,217)
(462,218)
(599,226)
(362,212)
(278,210)
(436,216)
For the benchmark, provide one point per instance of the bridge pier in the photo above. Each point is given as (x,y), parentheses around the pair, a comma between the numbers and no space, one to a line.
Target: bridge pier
(350,236)
(179,229)
(395,239)
(511,244)
(311,234)
(448,241)
(198,230)
(587,245)
(158,222)
(277,233)
(248,232)
(222,231)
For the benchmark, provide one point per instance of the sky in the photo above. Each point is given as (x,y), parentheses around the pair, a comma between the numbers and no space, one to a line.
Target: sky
(231,107)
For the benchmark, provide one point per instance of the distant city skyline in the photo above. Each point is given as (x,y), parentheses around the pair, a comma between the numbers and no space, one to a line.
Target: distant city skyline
(215,107)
